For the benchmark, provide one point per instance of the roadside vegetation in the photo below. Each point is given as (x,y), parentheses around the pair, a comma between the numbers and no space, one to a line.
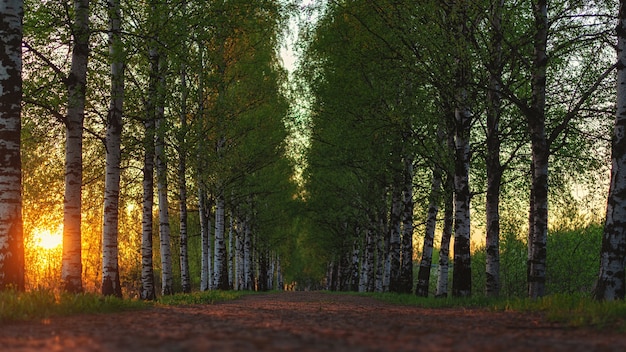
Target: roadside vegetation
(44,303)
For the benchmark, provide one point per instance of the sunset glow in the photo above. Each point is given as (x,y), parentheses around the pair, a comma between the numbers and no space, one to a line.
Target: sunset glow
(46,239)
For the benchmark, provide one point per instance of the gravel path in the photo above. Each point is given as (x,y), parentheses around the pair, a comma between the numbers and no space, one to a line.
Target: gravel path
(304,321)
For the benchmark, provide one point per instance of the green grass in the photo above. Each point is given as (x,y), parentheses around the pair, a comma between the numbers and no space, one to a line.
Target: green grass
(198,297)
(568,309)
(40,304)
(574,310)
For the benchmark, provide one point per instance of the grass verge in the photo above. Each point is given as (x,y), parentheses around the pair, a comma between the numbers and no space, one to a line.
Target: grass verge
(200,297)
(570,310)
(42,304)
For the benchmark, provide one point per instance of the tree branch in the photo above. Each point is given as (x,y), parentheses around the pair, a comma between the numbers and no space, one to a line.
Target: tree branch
(574,111)
(50,64)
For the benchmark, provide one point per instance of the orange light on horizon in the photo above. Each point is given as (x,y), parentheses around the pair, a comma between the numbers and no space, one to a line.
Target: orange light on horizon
(47,239)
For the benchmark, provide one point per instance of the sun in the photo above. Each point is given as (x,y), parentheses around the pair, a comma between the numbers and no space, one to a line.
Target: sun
(46,239)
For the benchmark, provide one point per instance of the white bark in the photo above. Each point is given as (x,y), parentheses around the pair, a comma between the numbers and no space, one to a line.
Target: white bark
(71,268)
(492,162)
(280,285)
(423,276)
(354,268)
(395,226)
(205,234)
(248,266)
(461,279)
(220,274)
(182,186)
(110,251)
(11,224)
(378,260)
(239,246)
(539,148)
(366,282)
(148,291)
(406,268)
(270,273)
(446,235)
(611,284)
(231,253)
(162,188)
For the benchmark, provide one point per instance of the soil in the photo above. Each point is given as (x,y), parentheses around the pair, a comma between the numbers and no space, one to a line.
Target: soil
(304,321)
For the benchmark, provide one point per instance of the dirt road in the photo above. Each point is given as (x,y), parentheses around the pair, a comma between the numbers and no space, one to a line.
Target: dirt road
(303,321)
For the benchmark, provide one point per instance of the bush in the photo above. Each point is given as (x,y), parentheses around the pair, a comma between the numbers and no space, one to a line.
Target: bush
(571,268)
(573,260)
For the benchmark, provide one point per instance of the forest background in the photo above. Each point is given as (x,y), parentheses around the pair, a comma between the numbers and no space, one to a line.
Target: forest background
(328,176)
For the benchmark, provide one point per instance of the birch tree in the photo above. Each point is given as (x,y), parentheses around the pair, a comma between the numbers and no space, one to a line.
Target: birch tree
(148,291)
(11,224)
(406,269)
(493,164)
(550,122)
(159,63)
(611,283)
(110,229)
(423,276)
(76,81)
(462,274)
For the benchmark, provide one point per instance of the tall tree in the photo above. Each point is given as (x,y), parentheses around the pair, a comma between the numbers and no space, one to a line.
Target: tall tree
(159,63)
(11,224)
(148,291)
(493,165)
(423,276)
(536,118)
(110,229)
(611,284)
(182,186)
(462,274)
(406,270)
(71,272)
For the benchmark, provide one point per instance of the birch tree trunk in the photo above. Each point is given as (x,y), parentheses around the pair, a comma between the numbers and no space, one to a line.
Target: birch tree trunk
(354,267)
(406,268)
(220,273)
(540,152)
(182,186)
(148,291)
(247,247)
(446,235)
(280,285)
(493,166)
(205,234)
(367,268)
(162,185)
(611,284)
(423,276)
(71,267)
(110,269)
(11,223)
(395,225)
(231,253)
(379,257)
(239,246)
(462,274)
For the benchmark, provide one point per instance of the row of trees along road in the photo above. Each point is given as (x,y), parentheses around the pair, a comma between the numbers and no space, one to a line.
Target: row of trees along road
(163,105)
(468,103)
(412,107)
